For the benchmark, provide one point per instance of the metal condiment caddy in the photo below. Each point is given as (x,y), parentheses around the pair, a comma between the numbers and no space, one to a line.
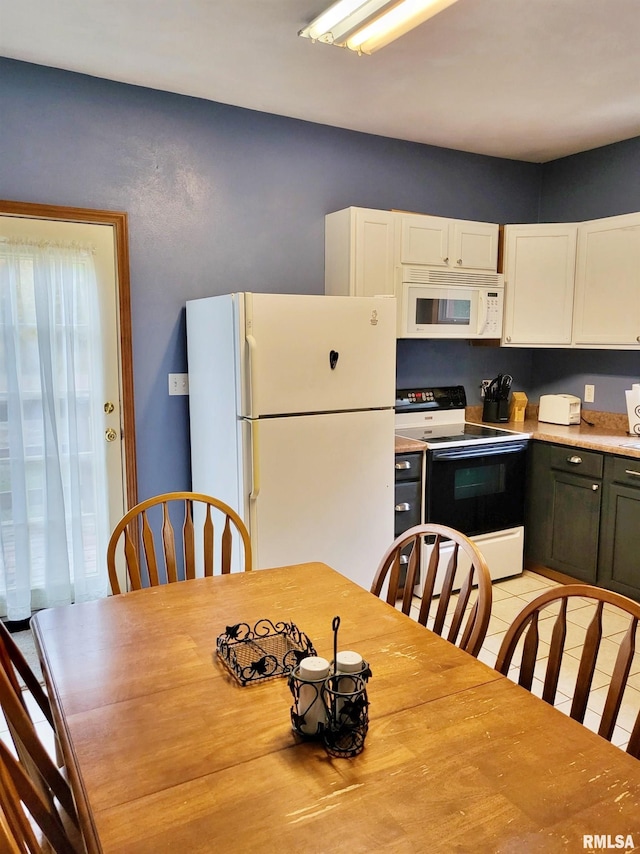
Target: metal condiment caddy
(330,701)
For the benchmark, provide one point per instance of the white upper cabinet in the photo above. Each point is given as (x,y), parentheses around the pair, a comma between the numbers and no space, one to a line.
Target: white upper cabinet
(474,245)
(359,253)
(436,241)
(539,272)
(607,296)
(424,240)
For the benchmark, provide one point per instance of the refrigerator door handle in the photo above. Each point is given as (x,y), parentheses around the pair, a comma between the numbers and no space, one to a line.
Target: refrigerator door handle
(253,355)
(255,461)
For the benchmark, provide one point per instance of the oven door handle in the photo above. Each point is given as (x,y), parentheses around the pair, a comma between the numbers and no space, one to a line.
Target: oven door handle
(479,451)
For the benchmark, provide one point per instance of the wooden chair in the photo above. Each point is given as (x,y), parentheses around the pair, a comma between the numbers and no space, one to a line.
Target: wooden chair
(14,665)
(39,784)
(470,617)
(527,626)
(137,528)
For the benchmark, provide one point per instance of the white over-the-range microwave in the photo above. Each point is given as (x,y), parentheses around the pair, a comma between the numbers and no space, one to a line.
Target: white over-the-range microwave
(436,303)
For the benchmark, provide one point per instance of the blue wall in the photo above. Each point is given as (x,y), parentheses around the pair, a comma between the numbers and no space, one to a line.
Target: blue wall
(220,199)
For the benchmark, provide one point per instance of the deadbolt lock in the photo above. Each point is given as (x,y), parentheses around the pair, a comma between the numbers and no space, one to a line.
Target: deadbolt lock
(109,407)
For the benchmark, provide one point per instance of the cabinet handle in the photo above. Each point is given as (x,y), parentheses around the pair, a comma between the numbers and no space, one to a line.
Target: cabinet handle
(402,508)
(638,338)
(446,260)
(595,486)
(575,461)
(460,261)
(403,465)
(508,338)
(633,473)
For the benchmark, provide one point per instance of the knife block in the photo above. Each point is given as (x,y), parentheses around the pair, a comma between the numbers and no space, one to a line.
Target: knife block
(495,411)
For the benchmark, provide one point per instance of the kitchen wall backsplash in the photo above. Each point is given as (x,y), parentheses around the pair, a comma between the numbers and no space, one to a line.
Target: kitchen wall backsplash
(534,371)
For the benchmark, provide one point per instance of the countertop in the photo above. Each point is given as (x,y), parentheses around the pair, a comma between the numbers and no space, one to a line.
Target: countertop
(608,433)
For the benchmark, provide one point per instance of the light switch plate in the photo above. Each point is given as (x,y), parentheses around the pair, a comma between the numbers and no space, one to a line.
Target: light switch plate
(178,384)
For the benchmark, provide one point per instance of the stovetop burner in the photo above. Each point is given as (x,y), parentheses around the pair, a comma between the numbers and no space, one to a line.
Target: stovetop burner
(437,416)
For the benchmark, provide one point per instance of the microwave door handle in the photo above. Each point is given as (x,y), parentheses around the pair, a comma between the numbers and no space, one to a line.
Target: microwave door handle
(483,313)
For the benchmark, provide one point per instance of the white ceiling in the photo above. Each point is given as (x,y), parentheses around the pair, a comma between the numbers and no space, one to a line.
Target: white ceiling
(524,79)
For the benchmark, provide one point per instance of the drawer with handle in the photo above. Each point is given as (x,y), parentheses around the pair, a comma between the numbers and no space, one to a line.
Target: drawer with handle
(576,460)
(407,507)
(408,467)
(624,470)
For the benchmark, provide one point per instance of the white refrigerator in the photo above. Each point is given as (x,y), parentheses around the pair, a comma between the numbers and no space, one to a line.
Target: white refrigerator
(292,423)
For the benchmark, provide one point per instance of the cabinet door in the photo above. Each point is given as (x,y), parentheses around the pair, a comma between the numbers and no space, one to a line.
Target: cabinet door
(359,253)
(563,509)
(575,522)
(374,253)
(424,240)
(474,245)
(618,567)
(539,280)
(607,299)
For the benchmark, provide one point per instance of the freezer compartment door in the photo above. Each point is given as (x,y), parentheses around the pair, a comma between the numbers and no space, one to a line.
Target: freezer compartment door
(317,353)
(323,490)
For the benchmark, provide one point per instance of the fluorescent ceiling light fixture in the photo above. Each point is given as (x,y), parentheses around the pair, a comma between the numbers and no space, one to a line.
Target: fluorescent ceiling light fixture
(367,25)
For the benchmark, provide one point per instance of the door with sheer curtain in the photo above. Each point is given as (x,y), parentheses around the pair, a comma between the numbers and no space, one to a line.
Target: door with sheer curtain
(61,461)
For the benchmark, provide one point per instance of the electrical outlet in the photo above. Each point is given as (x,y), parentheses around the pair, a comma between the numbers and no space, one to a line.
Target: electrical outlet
(589,393)
(178,384)
(484,385)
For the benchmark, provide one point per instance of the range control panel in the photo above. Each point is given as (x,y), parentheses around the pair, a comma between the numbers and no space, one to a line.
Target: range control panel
(437,398)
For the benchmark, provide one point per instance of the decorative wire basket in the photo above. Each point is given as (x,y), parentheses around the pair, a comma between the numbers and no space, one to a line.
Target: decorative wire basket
(266,651)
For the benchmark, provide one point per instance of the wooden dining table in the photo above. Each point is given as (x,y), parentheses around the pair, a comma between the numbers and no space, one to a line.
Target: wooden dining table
(166,751)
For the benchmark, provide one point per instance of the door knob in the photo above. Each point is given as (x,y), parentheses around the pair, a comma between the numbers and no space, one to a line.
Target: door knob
(110,434)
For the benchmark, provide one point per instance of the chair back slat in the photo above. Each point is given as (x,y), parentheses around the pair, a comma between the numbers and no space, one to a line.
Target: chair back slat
(226,545)
(616,697)
(188,542)
(621,671)
(17,834)
(169,546)
(149,549)
(430,581)
(587,665)
(131,557)
(41,768)
(556,650)
(158,536)
(412,573)
(529,653)
(469,624)
(461,605)
(207,536)
(15,788)
(445,591)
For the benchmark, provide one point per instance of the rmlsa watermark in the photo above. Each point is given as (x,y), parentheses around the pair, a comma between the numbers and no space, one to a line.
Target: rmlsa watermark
(605,841)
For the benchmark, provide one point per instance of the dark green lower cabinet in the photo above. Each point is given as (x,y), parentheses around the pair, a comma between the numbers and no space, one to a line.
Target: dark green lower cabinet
(619,557)
(563,509)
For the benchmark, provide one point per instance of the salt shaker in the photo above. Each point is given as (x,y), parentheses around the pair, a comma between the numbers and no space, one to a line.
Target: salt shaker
(308,714)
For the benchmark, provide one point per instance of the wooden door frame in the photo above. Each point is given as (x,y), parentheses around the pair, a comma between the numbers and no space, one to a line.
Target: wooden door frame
(118,220)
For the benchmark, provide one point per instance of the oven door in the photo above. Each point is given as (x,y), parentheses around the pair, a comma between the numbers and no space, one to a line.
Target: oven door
(476,489)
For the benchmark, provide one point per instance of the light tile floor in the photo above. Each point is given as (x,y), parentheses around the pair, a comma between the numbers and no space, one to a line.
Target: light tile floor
(509,597)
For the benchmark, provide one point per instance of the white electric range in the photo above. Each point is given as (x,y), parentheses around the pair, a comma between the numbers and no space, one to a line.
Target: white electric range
(474,475)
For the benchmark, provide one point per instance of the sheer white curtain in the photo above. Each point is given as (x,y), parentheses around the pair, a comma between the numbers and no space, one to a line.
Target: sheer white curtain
(53,491)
